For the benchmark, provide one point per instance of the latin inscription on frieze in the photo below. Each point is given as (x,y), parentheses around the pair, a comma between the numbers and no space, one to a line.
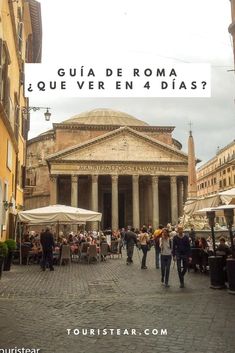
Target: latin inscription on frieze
(123,169)
(118,169)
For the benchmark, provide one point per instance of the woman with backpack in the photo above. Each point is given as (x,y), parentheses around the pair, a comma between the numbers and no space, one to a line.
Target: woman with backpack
(166,255)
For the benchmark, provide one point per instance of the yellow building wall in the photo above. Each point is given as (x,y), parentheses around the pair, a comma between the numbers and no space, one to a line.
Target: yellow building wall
(6,176)
(226,162)
(16,89)
(221,168)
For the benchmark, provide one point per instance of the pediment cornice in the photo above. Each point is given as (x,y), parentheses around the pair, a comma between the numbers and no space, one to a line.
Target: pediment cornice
(159,163)
(77,126)
(105,137)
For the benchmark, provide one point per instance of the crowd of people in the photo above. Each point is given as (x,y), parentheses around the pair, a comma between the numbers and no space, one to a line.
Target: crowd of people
(169,243)
(44,245)
(173,243)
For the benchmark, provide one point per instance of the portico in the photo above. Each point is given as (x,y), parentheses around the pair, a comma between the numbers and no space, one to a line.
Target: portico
(123,198)
(111,162)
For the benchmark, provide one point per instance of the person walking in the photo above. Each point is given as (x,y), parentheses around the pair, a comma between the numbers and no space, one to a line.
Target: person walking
(47,243)
(181,253)
(130,240)
(166,255)
(144,239)
(156,239)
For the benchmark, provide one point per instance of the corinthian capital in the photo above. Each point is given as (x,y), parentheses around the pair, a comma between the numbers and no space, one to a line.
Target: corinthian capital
(135,178)
(94,178)
(155,179)
(114,178)
(53,178)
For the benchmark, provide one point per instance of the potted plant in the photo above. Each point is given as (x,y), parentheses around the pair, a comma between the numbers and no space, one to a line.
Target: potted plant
(3,254)
(11,245)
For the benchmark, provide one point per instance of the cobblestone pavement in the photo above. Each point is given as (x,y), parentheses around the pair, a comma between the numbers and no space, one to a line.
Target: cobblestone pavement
(37,308)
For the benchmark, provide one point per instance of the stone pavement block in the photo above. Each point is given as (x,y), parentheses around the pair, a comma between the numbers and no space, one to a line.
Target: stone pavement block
(37,307)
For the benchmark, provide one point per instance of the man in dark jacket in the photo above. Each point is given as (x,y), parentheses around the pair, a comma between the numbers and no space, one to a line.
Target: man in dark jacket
(130,240)
(181,253)
(47,243)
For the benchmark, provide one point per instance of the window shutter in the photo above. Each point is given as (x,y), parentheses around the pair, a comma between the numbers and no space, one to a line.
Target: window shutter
(20,36)
(6,100)
(23,176)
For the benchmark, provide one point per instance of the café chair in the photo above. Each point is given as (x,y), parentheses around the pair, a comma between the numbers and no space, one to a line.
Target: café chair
(65,253)
(92,253)
(104,251)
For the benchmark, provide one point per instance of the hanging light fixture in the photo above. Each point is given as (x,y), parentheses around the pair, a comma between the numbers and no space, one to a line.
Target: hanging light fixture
(47,114)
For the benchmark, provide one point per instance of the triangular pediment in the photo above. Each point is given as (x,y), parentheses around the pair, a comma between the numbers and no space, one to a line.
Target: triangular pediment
(123,144)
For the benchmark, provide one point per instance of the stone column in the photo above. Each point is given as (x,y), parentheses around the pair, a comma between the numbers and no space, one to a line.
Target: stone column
(150,203)
(74,190)
(146,203)
(181,197)
(94,198)
(94,193)
(155,196)
(143,203)
(135,198)
(114,202)
(174,201)
(53,189)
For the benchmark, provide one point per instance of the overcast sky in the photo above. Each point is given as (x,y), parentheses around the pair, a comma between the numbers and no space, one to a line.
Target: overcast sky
(160,31)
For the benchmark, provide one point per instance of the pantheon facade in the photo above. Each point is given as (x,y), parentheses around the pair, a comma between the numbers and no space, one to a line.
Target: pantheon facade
(111,162)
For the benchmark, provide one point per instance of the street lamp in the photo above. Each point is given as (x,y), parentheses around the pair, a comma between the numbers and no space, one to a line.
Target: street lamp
(7,205)
(47,114)
(211,220)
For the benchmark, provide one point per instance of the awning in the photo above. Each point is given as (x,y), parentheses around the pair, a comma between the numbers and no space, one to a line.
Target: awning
(58,213)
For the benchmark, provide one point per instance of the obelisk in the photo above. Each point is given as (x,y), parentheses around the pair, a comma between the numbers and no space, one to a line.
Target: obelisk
(192,178)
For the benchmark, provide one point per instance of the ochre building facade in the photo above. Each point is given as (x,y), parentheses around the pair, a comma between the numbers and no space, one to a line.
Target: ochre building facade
(218,174)
(20,42)
(110,162)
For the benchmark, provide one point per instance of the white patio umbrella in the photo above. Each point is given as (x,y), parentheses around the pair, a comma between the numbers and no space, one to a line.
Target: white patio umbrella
(57,214)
